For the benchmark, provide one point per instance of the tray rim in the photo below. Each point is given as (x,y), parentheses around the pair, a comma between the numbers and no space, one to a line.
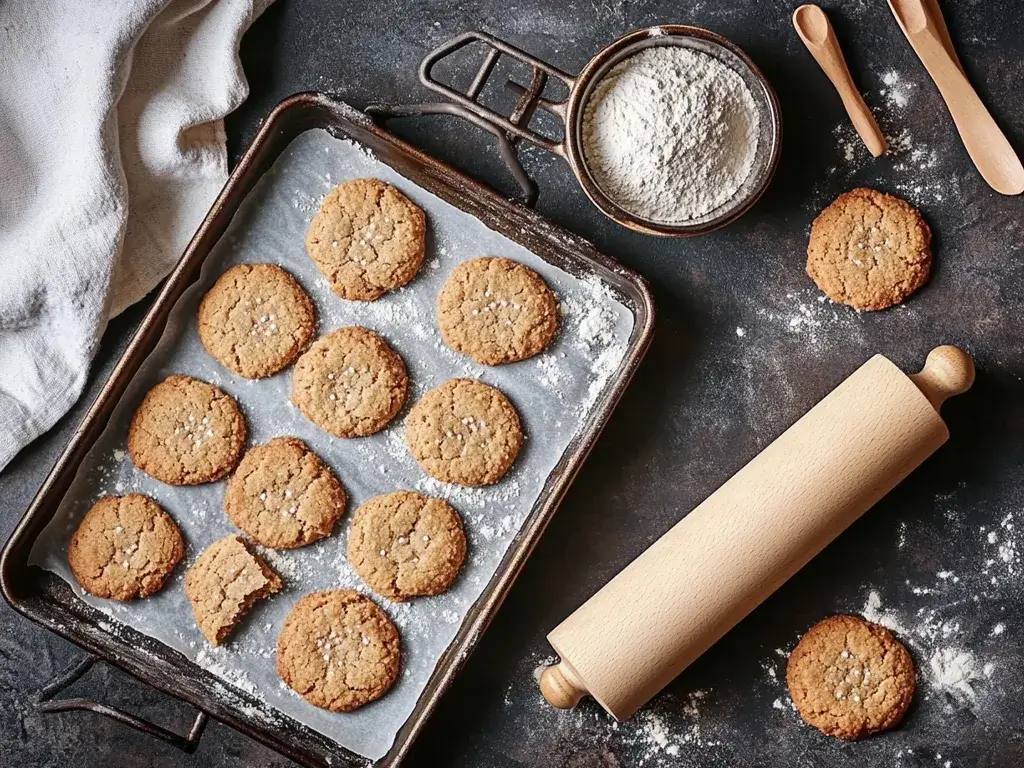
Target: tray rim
(85,632)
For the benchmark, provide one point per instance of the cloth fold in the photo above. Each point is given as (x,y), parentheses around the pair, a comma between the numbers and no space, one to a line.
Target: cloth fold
(112,149)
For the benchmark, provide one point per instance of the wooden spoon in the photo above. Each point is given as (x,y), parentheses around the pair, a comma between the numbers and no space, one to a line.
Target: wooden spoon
(992,154)
(813,27)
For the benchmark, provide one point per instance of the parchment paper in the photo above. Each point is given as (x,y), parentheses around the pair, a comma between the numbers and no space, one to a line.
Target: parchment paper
(553,393)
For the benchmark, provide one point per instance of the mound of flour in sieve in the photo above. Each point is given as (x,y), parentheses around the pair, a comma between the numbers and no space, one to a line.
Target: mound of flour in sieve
(670,134)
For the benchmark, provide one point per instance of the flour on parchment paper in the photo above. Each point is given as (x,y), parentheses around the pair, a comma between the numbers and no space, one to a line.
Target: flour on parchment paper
(270,226)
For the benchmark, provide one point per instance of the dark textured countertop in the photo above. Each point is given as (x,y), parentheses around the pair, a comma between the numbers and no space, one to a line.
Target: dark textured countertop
(743,347)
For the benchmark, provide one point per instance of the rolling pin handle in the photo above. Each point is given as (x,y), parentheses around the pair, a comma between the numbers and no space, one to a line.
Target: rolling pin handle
(561,686)
(948,371)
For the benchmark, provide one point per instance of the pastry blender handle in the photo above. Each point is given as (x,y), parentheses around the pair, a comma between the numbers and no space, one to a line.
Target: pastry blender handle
(517,123)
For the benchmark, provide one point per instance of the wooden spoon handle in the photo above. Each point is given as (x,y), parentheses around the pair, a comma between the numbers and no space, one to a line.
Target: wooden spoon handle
(988,147)
(814,29)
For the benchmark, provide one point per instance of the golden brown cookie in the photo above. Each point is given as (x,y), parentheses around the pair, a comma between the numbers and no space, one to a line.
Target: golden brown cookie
(125,547)
(850,678)
(186,432)
(256,319)
(338,650)
(464,432)
(350,383)
(367,239)
(869,250)
(224,583)
(406,545)
(283,495)
(496,311)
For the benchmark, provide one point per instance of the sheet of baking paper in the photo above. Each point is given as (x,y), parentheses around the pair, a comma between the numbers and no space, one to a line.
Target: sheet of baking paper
(553,393)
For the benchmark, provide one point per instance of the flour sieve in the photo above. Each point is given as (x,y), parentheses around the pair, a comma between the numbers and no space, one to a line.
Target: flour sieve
(570,112)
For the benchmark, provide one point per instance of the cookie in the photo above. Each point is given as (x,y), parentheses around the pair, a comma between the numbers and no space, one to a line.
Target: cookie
(256,319)
(350,383)
(869,250)
(125,547)
(367,239)
(338,650)
(496,311)
(224,583)
(406,545)
(283,495)
(850,678)
(464,432)
(186,432)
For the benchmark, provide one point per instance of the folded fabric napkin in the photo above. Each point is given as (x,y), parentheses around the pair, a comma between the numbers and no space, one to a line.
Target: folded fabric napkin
(111,150)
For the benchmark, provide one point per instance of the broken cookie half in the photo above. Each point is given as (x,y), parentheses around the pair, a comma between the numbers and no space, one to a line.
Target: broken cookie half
(224,583)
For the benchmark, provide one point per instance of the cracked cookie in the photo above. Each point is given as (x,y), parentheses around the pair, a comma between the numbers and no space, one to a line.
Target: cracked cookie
(367,239)
(350,383)
(464,432)
(224,583)
(338,650)
(850,678)
(124,548)
(869,250)
(186,432)
(256,319)
(496,311)
(403,545)
(283,495)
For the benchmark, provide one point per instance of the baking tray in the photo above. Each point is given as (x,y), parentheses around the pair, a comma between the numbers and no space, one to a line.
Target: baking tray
(49,601)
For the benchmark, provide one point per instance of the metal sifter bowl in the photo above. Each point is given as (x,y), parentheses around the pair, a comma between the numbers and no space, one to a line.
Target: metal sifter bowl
(581,87)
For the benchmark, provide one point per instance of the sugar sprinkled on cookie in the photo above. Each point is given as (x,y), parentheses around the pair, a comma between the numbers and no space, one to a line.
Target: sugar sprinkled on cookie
(496,311)
(125,548)
(367,239)
(338,650)
(404,544)
(850,678)
(350,383)
(465,432)
(256,319)
(283,495)
(186,432)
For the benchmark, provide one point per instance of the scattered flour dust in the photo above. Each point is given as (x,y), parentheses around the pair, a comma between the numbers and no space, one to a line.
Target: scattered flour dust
(897,92)
(650,735)
(810,315)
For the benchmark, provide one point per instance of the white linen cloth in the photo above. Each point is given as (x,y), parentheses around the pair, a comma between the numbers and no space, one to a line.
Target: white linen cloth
(111,151)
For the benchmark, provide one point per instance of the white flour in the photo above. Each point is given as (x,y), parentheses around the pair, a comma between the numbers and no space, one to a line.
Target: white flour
(670,134)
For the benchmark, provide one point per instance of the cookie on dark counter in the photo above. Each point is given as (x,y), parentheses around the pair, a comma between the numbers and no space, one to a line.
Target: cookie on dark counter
(869,250)
(849,677)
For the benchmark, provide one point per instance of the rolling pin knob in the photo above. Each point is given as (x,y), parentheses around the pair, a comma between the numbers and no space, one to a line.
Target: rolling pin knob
(948,371)
(561,686)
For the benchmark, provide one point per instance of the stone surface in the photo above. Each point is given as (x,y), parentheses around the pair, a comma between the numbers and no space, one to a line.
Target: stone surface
(704,402)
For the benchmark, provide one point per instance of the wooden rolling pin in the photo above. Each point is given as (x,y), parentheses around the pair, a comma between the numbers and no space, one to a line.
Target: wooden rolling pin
(744,541)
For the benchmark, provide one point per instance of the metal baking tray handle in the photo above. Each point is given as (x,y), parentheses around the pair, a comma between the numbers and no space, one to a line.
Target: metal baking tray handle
(46,703)
(530,98)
